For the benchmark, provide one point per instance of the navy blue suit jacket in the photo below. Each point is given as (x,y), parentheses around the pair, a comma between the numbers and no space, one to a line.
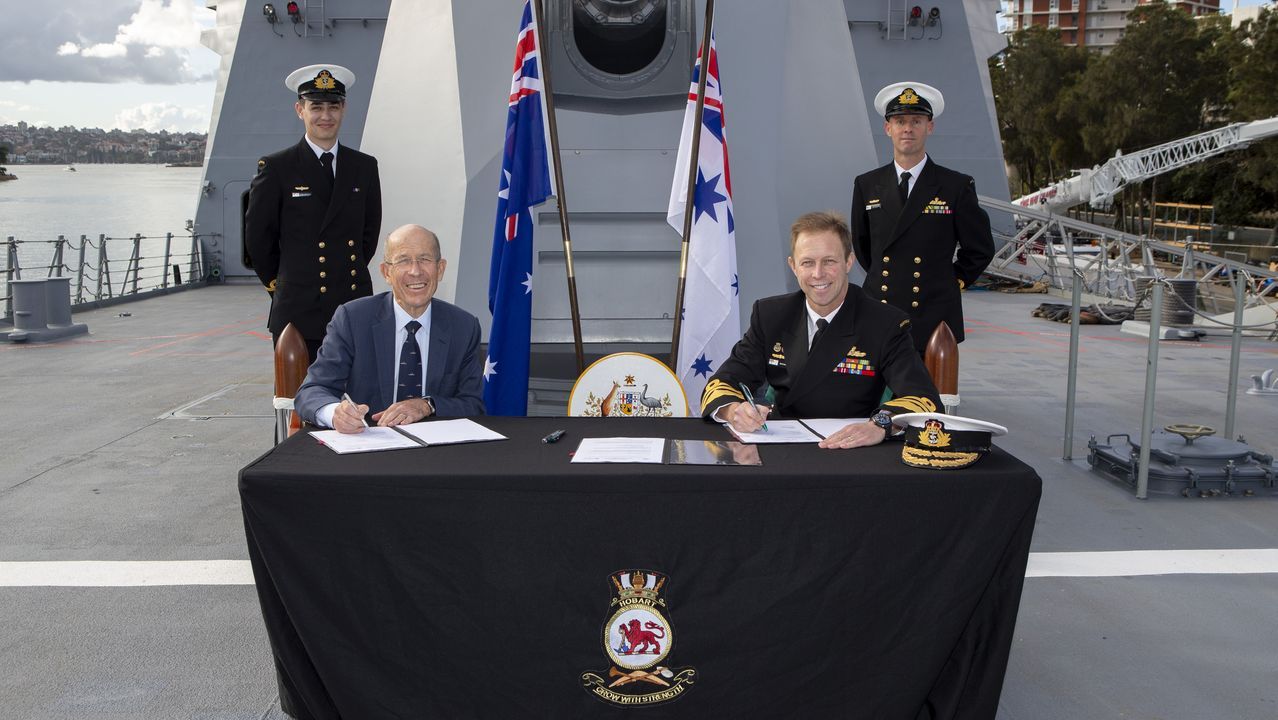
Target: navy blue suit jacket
(359,355)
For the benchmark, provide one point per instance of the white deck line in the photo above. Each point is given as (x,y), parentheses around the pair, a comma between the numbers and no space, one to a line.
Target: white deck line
(1129,563)
(150,573)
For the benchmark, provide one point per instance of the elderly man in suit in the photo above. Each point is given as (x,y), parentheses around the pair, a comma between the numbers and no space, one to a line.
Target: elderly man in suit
(314,212)
(909,215)
(400,356)
(827,351)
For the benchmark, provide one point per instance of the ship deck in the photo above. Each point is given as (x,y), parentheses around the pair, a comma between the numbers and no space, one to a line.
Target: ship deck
(124,445)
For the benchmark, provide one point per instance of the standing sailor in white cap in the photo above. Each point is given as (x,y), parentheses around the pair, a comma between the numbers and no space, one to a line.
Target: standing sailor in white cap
(314,212)
(908,216)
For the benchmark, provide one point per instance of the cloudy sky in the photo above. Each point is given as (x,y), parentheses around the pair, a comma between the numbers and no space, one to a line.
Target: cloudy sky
(133,64)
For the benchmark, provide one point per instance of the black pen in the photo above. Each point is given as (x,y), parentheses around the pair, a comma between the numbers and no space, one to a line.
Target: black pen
(553,437)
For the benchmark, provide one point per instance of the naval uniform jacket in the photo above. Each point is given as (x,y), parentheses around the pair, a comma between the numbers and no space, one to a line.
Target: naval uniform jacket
(909,253)
(314,244)
(866,347)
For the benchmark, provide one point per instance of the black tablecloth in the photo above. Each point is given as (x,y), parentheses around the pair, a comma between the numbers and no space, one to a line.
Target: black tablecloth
(474,580)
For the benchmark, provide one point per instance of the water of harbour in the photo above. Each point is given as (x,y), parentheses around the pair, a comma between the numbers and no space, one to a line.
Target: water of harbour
(119,201)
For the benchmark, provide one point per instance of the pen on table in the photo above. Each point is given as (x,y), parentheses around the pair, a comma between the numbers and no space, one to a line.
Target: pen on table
(553,437)
(348,399)
(749,396)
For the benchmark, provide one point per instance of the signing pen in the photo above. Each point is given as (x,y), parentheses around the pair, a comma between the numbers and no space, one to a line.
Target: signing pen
(553,437)
(749,396)
(348,399)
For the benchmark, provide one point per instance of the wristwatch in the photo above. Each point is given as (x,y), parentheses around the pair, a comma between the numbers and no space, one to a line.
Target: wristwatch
(883,419)
(430,402)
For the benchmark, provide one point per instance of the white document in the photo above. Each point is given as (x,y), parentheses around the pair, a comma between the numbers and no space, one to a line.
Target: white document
(371,440)
(779,431)
(450,432)
(825,427)
(620,450)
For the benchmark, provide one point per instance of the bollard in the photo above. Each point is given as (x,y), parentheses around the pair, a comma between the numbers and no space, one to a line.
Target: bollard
(57,302)
(29,302)
(42,311)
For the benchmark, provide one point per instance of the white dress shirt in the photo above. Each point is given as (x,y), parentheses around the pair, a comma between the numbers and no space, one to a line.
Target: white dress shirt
(324,416)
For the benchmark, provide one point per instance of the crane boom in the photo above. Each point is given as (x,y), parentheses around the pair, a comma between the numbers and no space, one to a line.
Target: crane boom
(1099,185)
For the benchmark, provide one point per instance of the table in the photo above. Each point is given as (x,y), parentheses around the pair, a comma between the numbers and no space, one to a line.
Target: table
(476,581)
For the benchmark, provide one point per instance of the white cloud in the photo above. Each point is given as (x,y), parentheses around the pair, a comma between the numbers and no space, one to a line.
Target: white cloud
(155,116)
(68,48)
(105,50)
(158,23)
(154,52)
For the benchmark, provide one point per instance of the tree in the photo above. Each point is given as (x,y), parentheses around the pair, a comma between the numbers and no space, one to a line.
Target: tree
(1029,80)
(1251,93)
(1155,85)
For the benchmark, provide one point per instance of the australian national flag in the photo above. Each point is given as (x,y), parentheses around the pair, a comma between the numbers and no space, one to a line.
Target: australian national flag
(711,318)
(525,182)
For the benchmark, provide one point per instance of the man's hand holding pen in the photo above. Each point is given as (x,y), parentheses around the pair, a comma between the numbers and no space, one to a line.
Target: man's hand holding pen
(348,417)
(746,416)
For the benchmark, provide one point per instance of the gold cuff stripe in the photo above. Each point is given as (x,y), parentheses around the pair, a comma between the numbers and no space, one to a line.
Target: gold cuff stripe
(716,389)
(912,403)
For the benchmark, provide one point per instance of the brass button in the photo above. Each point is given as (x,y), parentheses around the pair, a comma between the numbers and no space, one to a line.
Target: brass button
(352,273)
(323,289)
(885,273)
(914,304)
(321,246)
(323,274)
(352,258)
(352,286)
(884,288)
(887,259)
(916,288)
(918,260)
(350,243)
(321,258)
(916,274)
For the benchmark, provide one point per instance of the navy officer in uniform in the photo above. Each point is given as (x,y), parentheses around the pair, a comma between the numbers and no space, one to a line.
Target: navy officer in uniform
(827,351)
(909,216)
(314,212)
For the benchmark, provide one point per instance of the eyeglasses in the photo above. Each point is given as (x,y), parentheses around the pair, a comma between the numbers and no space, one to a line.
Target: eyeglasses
(404,263)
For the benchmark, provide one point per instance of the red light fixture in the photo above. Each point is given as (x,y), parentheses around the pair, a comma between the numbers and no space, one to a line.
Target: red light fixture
(294,12)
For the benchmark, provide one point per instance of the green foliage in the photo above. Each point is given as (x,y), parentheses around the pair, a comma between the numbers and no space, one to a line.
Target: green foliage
(1026,80)
(1170,76)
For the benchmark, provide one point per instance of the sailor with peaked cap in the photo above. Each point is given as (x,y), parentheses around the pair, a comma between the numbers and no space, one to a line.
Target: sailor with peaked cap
(909,216)
(314,212)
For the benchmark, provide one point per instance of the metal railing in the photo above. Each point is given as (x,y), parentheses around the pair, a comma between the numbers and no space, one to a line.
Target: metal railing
(1050,248)
(153,265)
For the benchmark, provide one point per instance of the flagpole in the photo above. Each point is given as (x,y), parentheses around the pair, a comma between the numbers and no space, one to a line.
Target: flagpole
(692,182)
(548,94)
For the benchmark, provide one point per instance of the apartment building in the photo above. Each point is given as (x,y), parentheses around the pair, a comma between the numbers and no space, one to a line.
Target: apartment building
(1094,24)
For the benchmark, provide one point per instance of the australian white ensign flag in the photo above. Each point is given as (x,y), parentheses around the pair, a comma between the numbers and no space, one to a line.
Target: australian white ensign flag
(711,318)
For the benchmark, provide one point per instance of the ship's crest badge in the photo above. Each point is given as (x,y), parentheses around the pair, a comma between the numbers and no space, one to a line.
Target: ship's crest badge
(638,638)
